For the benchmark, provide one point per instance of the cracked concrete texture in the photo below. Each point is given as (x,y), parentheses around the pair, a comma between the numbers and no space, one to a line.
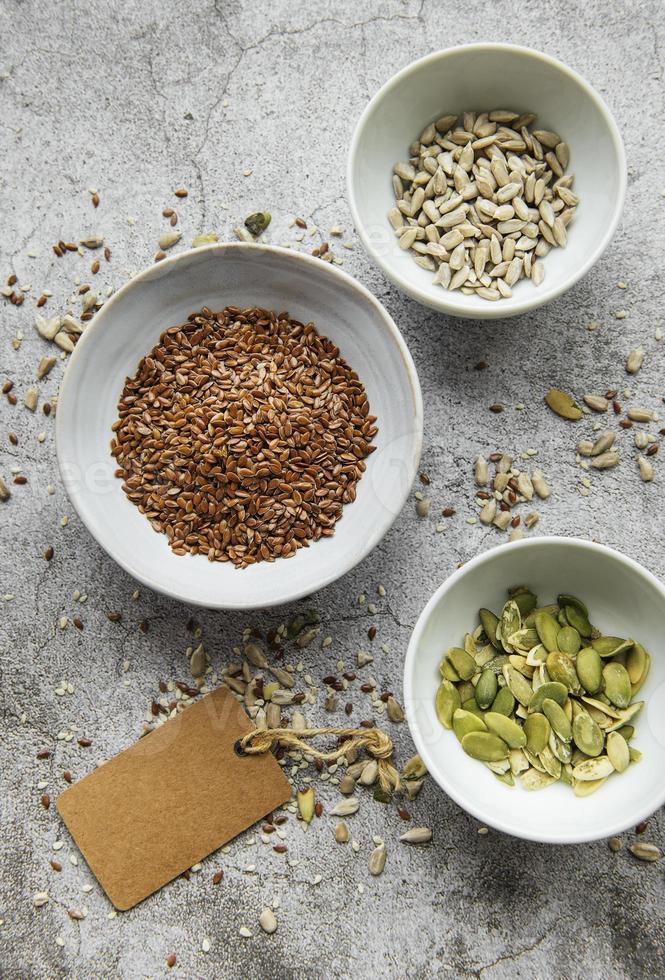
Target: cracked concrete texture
(135,99)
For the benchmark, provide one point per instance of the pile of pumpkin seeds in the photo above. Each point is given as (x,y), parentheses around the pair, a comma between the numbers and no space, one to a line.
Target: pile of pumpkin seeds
(482,199)
(539,693)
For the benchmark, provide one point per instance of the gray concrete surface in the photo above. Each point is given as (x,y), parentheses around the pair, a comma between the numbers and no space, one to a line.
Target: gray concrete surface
(136,98)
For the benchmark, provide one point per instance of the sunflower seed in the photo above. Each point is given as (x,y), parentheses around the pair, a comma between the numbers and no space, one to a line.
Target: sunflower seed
(377,860)
(345,807)
(646,469)
(606,461)
(634,361)
(645,852)
(596,402)
(417,835)
(640,415)
(267,921)
(168,239)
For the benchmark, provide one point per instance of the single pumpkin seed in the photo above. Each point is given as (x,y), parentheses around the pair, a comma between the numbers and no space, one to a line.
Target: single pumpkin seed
(587,735)
(585,787)
(617,751)
(525,600)
(589,669)
(485,746)
(504,702)
(486,689)
(568,641)
(537,730)
(635,754)
(463,663)
(636,662)
(532,779)
(447,701)
(507,729)
(510,622)
(467,721)
(548,629)
(611,646)
(617,684)
(489,623)
(593,769)
(553,690)
(557,719)
(562,669)
(563,405)
(551,764)
(519,686)
(471,705)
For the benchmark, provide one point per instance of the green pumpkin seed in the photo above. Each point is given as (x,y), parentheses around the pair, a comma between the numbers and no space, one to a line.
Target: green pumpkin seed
(602,707)
(570,600)
(587,735)
(504,702)
(484,655)
(489,623)
(586,787)
(610,646)
(592,769)
(561,749)
(507,729)
(551,764)
(636,662)
(518,762)
(447,671)
(497,663)
(558,719)
(465,722)
(627,731)
(257,222)
(500,767)
(567,774)
(617,751)
(462,662)
(635,754)
(578,620)
(634,688)
(486,688)
(533,779)
(524,639)
(537,656)
(537,730)
(525,599)
(568,641)
(589,669)
(472,706)
(510,622)
(446,702)
(470,645)
(554,690)
(485,746)
(466,691)
(562,669)
(547,628)
(505,777)
(617,684)
(561,618)
(519,686)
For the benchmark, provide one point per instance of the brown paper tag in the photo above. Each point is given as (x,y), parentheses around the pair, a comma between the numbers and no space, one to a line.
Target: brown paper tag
(171,799)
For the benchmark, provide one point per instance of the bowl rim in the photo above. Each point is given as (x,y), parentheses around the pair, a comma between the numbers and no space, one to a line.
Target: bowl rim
(504,308)
(485,815)
(98,324)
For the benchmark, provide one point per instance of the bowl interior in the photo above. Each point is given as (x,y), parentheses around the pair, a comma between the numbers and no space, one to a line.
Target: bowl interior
(623,600)
(129,326)
(484,77)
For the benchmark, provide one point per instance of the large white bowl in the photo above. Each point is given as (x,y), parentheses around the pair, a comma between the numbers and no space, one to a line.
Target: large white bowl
(624,599)
(126,329)
(484,77)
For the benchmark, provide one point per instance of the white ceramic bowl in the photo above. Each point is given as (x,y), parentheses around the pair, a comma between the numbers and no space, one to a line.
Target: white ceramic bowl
(482,77)
(129,325)
(624,600)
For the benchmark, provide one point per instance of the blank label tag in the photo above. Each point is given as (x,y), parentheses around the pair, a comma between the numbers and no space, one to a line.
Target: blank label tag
(171,799)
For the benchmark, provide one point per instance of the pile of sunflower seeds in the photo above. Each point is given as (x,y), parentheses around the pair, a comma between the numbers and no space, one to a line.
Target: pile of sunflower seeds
(540,693)
(482,199)
(497,496)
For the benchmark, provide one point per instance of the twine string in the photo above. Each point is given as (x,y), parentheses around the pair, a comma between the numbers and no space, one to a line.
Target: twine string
(375,741)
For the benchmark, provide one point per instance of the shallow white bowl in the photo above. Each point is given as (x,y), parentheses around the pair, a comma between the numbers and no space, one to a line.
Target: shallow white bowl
(129,325)
(482,77)
(624,599)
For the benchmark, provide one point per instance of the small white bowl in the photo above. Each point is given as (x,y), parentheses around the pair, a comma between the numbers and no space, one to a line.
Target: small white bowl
(624,599)
(127,328)
(483,77)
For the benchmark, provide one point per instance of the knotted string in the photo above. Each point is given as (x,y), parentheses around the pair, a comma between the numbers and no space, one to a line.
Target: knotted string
(376,742)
